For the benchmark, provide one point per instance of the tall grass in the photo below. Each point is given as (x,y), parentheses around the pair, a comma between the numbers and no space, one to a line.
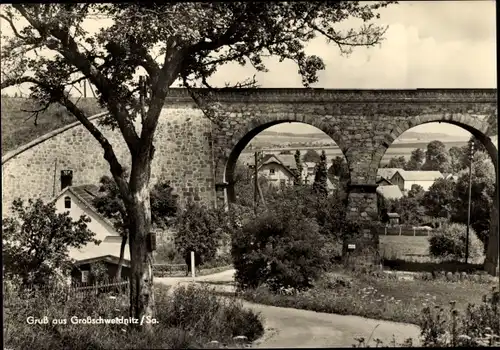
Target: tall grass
(190,317)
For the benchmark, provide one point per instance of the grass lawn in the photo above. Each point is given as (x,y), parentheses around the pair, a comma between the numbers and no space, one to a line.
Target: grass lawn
(18,128)
(376,297)
(403,246)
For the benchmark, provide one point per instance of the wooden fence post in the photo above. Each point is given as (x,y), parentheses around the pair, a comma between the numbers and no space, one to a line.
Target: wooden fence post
(385,230)
(192,265)
(413,231)
(400,230)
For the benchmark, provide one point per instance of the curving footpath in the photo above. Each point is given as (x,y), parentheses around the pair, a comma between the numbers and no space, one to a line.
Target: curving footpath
(294,328)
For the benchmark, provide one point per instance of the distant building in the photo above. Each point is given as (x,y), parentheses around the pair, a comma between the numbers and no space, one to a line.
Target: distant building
(387,173)
(77,201)
(279,174)
(393,218)
(390,192)
(406,179)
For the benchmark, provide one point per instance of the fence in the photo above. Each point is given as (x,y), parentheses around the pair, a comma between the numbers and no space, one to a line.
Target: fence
(404,231)
(69,291)
(96,288)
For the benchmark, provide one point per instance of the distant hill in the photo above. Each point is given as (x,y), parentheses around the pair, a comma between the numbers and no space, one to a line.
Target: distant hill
(408,135)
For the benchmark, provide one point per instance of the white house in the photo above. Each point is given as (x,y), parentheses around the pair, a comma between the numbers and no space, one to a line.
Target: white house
(77,200)
(406,179)
(275,171)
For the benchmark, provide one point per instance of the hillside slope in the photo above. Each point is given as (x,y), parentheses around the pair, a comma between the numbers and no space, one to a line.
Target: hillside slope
(18,127)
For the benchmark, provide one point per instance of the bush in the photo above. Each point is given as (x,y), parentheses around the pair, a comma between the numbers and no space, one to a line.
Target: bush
(200,311)
(282,248)
(449,242)
(204,318)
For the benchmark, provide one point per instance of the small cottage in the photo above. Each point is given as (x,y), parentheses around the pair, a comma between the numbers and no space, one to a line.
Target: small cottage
(77,201)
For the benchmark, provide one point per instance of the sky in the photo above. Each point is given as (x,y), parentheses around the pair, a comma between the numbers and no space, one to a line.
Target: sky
(428,44)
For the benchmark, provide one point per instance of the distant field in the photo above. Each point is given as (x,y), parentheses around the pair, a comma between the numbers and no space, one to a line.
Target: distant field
(18,128)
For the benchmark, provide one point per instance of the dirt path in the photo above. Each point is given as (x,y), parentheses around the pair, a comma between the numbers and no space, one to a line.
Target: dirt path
(288,327)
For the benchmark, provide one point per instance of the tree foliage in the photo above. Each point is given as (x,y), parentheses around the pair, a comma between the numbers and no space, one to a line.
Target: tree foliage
(397,162)
(311,156)
(198,230)
(436,157)
(36,241)
(416,191)
(416,161)
(280,248)
(439,200)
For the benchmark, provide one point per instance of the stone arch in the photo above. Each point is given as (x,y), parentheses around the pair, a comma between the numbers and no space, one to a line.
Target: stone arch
(480,129)
(244,135)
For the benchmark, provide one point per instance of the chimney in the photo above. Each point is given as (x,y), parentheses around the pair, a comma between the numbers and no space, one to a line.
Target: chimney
(66,178)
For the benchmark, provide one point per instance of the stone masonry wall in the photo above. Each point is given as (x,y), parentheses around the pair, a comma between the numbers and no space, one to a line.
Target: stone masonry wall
(183,156)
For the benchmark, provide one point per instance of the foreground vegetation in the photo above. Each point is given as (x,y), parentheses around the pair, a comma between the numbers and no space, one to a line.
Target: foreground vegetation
(190,317)
(375,296)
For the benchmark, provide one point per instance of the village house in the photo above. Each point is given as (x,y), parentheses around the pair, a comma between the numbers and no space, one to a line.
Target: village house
(77,201)
(276,171)
(384,175)
(281,170)
(406,179)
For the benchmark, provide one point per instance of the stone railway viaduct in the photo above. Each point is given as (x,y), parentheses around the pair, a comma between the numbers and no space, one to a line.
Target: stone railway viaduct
(199,156)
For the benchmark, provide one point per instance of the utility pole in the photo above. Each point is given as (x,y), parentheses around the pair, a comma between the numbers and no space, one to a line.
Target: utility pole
(256,181)
(85,88)
(471,158)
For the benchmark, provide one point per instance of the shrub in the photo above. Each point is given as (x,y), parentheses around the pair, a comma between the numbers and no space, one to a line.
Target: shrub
(281,248)
(449,242)
(199,310)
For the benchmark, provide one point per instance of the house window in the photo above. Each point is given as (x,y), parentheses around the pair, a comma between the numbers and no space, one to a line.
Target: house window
(283,182)
(271,171)
(67,202)
(85,276)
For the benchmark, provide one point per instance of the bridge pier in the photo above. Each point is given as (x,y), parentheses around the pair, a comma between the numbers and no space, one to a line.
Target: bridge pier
(362,209)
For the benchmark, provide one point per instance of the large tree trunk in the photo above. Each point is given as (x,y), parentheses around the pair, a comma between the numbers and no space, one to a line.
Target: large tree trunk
(118,275)
(141,281)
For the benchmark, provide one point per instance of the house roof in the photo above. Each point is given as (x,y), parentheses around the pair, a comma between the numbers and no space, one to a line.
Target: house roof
(271,158)
(393,215)
(419,175)
(382,178)
(390,192)
(387,172)
(86,194)
(107,258)
(94,251)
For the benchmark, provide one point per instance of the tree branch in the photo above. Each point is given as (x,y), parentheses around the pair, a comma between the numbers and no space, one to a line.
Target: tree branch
(69,49)
(13,27)
(109,154)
